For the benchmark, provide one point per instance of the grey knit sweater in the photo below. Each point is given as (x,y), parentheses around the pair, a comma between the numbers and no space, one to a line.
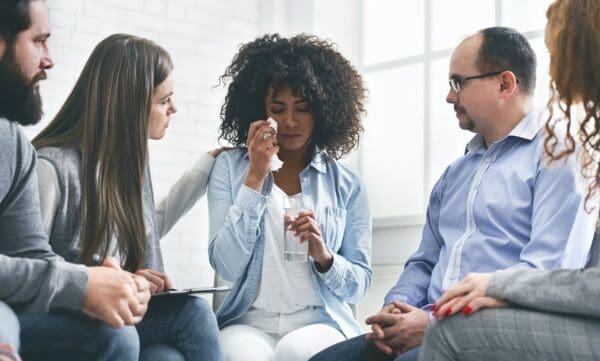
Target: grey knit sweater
(32,277)
(66,228)
(564,291)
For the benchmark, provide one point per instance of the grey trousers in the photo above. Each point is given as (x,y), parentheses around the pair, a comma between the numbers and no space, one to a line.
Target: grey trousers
(513,334)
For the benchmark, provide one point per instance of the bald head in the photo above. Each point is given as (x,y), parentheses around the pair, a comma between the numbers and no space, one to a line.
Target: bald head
(466,55)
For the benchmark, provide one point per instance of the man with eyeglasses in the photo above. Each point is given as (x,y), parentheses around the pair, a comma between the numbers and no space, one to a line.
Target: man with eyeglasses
(498,206)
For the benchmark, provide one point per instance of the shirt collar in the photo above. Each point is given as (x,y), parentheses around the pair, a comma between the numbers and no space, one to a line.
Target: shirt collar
(319,162)
(526,129)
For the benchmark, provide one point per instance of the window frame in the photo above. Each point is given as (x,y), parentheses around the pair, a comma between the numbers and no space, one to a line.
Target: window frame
(427,58)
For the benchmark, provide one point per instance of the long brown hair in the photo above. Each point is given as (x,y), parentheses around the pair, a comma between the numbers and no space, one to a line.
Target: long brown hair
(106,116)
(573,39)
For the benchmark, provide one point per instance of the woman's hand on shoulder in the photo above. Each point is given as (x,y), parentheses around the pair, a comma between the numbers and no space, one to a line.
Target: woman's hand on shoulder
(215,152)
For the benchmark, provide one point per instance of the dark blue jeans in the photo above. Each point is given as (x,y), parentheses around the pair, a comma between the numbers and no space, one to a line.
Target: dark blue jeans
(359,349)
(180,328)
(73,337)
(174,328)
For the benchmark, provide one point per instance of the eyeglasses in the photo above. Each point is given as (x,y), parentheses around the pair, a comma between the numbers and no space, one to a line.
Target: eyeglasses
(457,81)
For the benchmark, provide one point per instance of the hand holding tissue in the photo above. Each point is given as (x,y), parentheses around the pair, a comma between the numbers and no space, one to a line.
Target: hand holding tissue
(276,163)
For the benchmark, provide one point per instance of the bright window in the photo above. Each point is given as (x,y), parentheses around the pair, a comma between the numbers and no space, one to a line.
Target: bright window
(411,133)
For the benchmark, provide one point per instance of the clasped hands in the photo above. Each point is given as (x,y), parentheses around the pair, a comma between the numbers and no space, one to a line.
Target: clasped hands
(397,328)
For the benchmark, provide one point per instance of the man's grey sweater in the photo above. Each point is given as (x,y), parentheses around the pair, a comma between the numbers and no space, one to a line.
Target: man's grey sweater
(32,277)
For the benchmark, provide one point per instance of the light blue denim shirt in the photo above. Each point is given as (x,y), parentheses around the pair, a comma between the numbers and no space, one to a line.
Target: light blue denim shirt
(498,208)
(339,199)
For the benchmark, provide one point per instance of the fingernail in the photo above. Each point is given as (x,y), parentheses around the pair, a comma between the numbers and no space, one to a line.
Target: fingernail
(448,312)
(433,307)
(467,310)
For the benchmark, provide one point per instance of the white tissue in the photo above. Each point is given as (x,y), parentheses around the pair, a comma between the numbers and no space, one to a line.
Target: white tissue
(276,163)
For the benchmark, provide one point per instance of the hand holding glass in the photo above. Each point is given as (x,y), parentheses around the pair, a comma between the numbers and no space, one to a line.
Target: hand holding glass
(293,249)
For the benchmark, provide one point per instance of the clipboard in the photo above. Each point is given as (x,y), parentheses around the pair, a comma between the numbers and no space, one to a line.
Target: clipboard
(191,291)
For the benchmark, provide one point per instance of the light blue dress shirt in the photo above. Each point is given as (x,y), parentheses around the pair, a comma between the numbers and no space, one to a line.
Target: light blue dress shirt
(498,208)
(337,195)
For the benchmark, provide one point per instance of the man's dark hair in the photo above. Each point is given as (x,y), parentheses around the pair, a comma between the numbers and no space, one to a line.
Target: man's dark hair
(506,49)
(20,100)
(14,18)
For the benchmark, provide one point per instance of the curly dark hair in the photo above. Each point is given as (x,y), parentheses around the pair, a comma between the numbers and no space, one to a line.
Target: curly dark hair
(312,68)
(574,62)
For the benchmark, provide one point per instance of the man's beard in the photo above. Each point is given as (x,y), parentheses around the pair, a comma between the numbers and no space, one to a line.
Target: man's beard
(20,99)
(469,124)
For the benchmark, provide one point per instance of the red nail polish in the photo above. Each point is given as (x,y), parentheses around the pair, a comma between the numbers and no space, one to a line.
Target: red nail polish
(448,312)
(467,310)
(433,307)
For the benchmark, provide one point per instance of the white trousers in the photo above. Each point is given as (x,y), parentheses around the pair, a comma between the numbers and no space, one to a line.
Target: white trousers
(247,343)
(263,336)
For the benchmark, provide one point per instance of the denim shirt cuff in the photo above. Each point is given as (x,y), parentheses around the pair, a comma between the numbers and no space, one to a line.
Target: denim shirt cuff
(253,204)
(334,276)
(394,297)
(250,200)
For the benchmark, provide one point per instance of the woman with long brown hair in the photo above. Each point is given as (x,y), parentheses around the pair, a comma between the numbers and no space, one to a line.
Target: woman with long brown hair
(96,191)
(561,321)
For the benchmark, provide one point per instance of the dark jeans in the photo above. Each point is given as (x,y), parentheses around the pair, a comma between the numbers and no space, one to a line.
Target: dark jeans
(359,349)
(180,328)
(73,337)
(174,328)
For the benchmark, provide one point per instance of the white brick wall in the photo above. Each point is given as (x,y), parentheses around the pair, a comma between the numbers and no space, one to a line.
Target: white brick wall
(202,36)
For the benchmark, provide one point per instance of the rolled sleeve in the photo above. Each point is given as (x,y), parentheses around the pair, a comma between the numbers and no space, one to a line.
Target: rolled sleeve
(334,276)
(251,203)
(234,221)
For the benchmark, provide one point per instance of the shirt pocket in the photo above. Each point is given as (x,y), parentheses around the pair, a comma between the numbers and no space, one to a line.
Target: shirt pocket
(335,224)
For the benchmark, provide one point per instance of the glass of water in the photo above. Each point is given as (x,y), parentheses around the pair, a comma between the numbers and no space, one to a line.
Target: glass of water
(293,250)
